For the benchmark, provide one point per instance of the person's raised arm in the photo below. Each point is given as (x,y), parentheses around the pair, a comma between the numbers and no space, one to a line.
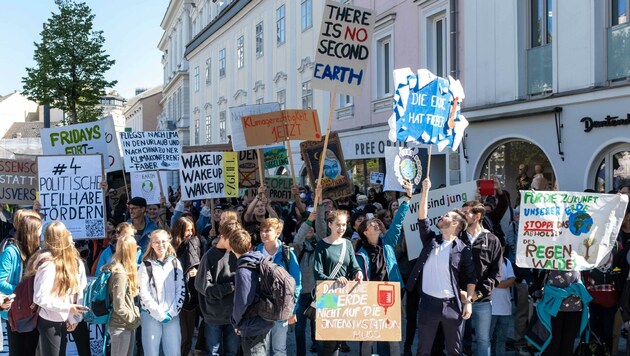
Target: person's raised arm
(300,207)
(424,198)
(249,213)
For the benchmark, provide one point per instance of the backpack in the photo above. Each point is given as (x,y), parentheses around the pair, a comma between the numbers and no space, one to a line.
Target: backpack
(276,290)
(24,313)
(96,298)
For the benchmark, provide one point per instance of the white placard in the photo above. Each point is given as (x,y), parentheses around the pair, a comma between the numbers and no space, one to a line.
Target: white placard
(207,175)
(151,150)
(147,185)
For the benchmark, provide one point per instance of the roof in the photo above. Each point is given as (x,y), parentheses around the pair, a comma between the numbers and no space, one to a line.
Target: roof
(26,129)
(145,94)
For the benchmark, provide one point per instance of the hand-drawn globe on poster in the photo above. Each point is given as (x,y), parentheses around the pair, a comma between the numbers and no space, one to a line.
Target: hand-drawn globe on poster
(332,167)
(407,166)
(147,186)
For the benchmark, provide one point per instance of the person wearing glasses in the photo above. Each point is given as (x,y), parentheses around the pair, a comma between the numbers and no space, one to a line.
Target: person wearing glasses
(142,223)
(377,259)
(162,295)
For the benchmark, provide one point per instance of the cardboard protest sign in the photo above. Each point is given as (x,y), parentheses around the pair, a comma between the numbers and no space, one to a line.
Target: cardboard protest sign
(275,157)
(343,48)
(366,311)
(70,191)
(440,201)
(18,181)
(335,182)
(150,150)
(97,337)
(209,175)
(248,173)
(406,163)
(114,196)
(278,188)
(427,109)
(147,185)
(236,115)
(280,126)
(567,230)
(377,177)
(89,138)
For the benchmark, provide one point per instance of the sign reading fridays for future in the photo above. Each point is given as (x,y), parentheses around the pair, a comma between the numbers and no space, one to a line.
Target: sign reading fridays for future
(343,48)
(209,175)
(70,191)
(150,150)
(567,230)
(440,201)
(17,181)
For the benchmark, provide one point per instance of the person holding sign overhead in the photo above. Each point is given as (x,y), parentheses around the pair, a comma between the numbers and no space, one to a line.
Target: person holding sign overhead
(443,269)
(376,256)
(257,211)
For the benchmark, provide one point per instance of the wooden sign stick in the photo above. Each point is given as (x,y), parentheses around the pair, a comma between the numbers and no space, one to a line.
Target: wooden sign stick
(290,154)
(429,161)
(261,166)
(323,155)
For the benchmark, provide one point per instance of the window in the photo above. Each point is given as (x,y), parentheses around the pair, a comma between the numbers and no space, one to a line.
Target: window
(281,96)
(240,52)
(437,60)
(259,39)
(222,127)
(208,129)
(614,169)
(307,95)
(345,100)
(197,130)
(618,36)
(260,101)
(619,12)
(541,24)
(280,25)
(384,65)
(307,14)
(222,63)
(197,78)
(208,71)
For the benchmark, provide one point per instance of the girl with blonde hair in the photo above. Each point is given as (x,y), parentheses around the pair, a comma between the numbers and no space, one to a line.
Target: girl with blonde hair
(58,289)
(161,296)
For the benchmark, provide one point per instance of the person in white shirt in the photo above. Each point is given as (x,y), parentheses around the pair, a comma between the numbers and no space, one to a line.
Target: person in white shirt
(58,290)
(501,307)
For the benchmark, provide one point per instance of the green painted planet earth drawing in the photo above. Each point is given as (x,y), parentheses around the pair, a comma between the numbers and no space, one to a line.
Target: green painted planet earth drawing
(327,301)
(580,223)
(408,169)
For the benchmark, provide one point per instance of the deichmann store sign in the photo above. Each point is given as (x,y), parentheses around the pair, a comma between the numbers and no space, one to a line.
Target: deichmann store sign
(590,124)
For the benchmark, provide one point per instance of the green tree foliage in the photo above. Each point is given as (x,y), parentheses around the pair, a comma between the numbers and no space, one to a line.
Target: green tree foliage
(70,64)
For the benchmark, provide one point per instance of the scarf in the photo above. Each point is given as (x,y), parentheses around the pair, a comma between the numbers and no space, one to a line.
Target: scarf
(378,268)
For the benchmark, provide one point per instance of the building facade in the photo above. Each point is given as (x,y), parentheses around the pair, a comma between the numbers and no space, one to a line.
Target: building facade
(142,111)
(547,83)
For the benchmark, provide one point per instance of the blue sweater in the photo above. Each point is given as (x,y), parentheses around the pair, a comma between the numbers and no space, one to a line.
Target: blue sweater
(390,240)
(245,285)
(10,269)
(294,268)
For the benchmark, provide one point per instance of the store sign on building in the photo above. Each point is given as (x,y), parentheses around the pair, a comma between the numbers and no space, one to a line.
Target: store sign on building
(375,148)
(590,124)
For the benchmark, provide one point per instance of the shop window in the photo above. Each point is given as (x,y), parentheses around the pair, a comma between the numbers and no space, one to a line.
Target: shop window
(613,170)
(503,161)
(359,171)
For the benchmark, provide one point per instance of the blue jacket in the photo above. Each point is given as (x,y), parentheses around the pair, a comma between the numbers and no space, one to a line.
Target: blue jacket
(294,267)
(10,268)
(144,240)
(390,240)
(245,286)
(549,307)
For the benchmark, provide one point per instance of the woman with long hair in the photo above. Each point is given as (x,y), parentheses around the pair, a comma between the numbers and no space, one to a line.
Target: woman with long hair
(58,289)
(123,229)
(122,288)
(188,248)
(161,296)
(16,252)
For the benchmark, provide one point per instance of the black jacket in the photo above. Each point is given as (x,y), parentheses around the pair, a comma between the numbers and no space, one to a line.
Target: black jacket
(215,284)
(486,254)
(461,264)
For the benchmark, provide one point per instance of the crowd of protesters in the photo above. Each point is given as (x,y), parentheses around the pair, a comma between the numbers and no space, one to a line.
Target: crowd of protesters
(181,268)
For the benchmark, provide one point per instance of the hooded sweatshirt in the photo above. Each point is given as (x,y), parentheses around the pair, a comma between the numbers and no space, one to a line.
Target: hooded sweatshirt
(164,293)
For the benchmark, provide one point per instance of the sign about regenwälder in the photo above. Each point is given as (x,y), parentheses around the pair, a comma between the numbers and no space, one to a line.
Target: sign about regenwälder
(70,191)
(567,230)
(150,150)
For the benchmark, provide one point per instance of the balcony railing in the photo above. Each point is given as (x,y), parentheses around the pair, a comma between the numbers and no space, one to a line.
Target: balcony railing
(619,52)
(539,70)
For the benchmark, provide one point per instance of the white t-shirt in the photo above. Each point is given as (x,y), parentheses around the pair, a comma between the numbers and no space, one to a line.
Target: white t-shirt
(436,277)
(501,304)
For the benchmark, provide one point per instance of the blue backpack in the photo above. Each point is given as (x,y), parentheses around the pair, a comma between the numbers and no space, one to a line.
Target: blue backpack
(96,297)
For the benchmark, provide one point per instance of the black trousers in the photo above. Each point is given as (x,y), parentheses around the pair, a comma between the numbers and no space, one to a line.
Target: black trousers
(81,337)
(434,313)
(52,337)
(22,344)
(564,329)
(411,310)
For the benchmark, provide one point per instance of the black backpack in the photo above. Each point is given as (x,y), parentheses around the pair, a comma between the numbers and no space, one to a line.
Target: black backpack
(276,291)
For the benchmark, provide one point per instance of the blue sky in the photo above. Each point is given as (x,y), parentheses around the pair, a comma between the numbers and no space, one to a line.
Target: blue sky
(131,29)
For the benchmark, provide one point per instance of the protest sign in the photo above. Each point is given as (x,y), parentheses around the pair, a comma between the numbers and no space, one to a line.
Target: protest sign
(150,150)
(96,334)
(427,109)
(70,191)
(440,201)
(89,138)
(335,182)
(248,173)
(275,157)
(147,185)
(365,311)
(236,115)
(407,163)
(343,48)
(280,126)
(209,175)
(18,181)
(114,195)
(279,188)
(377,177)
(567,230)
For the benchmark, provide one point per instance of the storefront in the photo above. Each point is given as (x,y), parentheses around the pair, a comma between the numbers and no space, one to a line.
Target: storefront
(579,141)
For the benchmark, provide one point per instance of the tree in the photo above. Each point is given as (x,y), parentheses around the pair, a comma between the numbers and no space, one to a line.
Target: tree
(70,64)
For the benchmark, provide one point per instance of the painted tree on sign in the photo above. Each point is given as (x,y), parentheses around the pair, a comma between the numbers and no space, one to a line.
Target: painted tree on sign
(70,64)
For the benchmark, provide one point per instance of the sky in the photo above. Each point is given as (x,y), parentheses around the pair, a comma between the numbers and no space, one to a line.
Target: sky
(131,29)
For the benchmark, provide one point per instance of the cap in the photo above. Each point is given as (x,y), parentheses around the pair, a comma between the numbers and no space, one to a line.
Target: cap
(138,201)
(361,198)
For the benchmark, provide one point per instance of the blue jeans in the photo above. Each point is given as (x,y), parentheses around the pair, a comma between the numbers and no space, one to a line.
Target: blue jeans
(154,333)
(481,322)
(221,340)
(300,327)
(500,324)
(277,339)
